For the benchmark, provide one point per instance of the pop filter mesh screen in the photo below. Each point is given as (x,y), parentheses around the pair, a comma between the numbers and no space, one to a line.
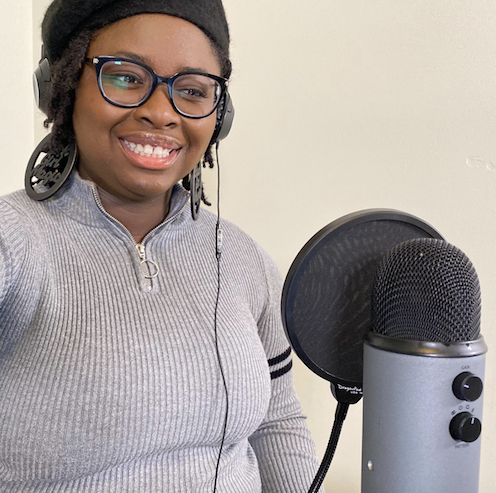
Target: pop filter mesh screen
(426,290)
(327,293)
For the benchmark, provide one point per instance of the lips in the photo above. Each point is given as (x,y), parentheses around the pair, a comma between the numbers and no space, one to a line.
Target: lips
(150,151)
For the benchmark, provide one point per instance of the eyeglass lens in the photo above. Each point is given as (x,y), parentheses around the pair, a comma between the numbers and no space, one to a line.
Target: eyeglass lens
(128,84)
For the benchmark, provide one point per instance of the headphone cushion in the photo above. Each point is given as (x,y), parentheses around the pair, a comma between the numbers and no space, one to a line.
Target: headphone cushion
(225,117)
(42,85)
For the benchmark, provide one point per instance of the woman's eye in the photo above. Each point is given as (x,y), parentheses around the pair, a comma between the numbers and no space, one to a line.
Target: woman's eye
(121,81)
(191,93)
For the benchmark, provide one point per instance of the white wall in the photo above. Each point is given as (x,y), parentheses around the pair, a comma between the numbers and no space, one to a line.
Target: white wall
(16,93)
(38,8)
(340,106)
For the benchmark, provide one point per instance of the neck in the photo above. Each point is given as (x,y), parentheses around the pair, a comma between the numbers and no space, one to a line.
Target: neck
(139,218)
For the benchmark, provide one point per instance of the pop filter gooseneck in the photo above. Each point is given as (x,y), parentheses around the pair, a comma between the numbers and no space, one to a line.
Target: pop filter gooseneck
(326,300)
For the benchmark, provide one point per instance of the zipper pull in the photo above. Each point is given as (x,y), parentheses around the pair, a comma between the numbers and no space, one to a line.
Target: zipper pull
(151,266)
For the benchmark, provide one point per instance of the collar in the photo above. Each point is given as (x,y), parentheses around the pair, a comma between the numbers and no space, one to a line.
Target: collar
(79,200)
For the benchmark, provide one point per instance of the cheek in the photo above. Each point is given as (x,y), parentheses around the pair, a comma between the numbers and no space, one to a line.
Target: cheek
(201,131)
(92,118)
(92,114)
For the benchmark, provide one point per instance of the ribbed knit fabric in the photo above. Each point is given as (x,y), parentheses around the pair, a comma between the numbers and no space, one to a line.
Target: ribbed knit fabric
(109,382)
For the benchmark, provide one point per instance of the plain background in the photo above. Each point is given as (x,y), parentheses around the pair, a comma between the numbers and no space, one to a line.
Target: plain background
(340,106)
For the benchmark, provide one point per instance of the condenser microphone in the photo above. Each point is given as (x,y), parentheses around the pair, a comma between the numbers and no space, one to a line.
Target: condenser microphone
(326,301)
(423,373)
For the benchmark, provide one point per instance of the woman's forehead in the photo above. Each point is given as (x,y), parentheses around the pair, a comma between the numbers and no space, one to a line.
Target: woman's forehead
(160,40)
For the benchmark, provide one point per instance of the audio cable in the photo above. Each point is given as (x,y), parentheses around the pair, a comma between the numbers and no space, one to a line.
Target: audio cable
(218,254)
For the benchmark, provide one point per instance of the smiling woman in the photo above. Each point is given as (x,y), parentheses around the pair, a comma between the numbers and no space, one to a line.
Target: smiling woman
(102,130)
(138,353)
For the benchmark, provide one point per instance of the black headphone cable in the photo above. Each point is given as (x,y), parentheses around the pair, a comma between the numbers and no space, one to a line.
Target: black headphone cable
(218,254)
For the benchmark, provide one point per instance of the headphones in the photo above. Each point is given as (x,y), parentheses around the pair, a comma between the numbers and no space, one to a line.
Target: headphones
(42,83)
(225,118)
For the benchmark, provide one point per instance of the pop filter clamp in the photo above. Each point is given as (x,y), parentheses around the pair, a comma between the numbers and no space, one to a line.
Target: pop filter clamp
(326,301)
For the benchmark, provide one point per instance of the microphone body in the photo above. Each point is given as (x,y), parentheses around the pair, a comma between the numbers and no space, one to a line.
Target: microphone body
(408,408)
(423,373)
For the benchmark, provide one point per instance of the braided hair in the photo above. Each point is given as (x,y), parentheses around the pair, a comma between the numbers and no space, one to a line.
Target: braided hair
(65,74)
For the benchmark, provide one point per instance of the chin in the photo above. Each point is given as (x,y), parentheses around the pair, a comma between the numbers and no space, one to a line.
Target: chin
(150,188)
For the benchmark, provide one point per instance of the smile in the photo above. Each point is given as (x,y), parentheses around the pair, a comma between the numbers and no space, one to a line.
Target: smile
(148,150)
(151,157)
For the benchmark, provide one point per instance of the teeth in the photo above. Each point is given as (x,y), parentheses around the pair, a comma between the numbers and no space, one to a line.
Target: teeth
(148,150)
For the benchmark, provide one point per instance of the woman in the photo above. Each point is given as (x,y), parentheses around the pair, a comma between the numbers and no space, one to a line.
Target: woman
(138,353)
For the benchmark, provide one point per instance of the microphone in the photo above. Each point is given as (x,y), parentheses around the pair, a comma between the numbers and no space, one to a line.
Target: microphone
(423,373)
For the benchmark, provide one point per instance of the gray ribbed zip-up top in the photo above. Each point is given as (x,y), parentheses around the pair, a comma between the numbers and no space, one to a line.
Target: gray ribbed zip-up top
(109,379)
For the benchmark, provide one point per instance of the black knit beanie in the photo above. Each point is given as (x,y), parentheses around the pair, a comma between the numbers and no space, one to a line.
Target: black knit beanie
(64,19)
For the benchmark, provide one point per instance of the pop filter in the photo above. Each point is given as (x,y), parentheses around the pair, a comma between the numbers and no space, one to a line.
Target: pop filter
(326,299)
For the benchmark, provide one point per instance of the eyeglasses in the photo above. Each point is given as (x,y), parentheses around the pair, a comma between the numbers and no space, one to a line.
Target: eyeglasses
(128,84)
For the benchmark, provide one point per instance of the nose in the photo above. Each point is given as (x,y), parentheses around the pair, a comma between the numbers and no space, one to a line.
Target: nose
(158,109)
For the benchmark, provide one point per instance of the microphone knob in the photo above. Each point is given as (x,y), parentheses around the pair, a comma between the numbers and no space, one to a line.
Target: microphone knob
(467,386)
(465,427)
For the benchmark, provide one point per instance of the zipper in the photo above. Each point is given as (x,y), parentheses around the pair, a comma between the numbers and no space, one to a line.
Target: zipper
(150,265)
(147,264)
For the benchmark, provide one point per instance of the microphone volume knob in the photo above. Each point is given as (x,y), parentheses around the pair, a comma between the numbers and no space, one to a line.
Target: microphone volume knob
(467,386)
(465,427)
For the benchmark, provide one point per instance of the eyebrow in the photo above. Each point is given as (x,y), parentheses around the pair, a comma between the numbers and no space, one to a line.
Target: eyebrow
(146,61)
(133,56)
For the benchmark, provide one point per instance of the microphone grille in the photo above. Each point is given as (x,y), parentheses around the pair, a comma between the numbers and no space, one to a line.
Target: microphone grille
(426,290)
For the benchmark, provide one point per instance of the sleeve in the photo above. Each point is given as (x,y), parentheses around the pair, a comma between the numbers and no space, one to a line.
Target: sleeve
(284,448)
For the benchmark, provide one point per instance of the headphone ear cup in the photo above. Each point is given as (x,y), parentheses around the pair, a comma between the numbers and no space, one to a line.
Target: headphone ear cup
(42,85)
(225,118)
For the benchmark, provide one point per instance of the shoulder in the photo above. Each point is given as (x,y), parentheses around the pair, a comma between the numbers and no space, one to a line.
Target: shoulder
(20,216)
(19,206)
(236,242)
(23,226)
(19,238)
(244,256)
(15,211)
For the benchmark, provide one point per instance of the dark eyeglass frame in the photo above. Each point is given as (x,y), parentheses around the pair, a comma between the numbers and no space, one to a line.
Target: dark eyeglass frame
(99,61)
